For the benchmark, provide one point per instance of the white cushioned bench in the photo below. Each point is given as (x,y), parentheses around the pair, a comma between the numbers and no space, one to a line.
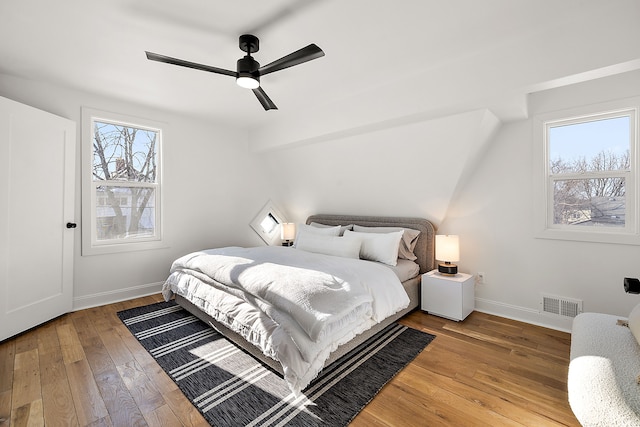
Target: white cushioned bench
(604,370)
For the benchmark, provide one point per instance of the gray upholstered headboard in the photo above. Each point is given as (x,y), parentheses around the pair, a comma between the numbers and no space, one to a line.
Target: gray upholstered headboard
(425,247)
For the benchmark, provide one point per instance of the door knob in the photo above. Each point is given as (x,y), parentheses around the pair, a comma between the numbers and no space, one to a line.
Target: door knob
(71,225)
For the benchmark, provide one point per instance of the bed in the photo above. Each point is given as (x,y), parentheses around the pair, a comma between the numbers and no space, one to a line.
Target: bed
(423,251)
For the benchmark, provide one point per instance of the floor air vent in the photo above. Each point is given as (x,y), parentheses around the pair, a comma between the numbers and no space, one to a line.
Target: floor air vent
(560,306)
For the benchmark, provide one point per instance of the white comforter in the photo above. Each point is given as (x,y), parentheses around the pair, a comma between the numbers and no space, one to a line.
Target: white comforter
(296,306)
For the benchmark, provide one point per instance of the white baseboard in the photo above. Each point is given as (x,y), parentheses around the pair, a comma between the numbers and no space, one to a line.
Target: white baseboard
(524,314)
(109,297)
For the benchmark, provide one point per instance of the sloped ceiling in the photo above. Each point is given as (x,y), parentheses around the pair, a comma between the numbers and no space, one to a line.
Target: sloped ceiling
(386,61)
(405,170)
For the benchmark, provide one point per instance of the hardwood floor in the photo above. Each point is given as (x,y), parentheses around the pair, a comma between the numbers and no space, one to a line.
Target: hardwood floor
(86,369)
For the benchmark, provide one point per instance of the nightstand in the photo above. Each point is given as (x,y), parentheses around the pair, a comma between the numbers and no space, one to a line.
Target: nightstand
(452,297)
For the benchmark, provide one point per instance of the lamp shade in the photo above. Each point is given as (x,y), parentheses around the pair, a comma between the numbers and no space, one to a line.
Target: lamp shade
(447,248)
(288,231)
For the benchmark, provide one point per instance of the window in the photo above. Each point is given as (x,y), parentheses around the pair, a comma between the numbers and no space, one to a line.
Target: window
(267,223)
(588,188)
(121,183)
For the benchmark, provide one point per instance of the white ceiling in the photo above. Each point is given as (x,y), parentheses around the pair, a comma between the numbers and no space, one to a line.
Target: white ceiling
(385,59)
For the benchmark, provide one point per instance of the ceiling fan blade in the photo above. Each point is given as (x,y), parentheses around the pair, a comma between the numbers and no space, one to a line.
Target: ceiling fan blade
(266,102)
(298,57)
(175,61)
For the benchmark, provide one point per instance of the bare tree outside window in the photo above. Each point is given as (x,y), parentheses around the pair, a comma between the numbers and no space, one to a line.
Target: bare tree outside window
(125,178)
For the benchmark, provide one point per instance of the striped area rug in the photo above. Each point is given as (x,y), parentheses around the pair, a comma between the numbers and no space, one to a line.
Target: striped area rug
(231,388)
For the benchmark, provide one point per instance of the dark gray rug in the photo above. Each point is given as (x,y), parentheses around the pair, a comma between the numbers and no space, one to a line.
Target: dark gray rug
(230,388)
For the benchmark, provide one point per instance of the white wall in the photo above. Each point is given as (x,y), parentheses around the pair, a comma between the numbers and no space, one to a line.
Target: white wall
(212,189)
(494,217)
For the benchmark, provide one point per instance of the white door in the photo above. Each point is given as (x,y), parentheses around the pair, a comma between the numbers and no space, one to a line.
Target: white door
(37,183)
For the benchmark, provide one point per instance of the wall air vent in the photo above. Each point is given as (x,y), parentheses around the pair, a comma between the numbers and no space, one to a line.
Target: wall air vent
(560,306)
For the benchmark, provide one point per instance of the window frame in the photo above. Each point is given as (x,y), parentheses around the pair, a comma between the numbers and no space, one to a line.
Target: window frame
(90,243)
(544,180)
(268,210)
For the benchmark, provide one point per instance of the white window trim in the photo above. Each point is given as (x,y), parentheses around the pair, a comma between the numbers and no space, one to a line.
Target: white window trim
(90,245)
(543,196)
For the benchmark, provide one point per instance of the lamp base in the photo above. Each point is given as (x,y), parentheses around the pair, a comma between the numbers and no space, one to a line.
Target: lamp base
(448,269)
(287,243)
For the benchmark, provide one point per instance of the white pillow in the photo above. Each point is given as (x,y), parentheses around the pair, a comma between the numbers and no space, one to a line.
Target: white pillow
(325,231)
(407,244)
(343,228)
(328,245)
(634,322)
(377,247)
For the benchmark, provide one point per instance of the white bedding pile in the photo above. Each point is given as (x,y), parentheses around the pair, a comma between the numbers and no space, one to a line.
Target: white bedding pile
(296,306)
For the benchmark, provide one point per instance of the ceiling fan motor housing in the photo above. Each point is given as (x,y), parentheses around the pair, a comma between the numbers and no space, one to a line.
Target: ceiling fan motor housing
(248,67)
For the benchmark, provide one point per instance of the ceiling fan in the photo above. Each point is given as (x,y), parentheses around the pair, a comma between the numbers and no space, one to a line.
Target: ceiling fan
(248,70)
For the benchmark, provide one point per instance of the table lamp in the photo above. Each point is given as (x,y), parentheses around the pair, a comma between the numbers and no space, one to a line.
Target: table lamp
(287,233)
(448,251)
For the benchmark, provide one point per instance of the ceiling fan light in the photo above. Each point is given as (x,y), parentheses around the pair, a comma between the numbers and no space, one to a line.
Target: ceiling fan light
(248,82)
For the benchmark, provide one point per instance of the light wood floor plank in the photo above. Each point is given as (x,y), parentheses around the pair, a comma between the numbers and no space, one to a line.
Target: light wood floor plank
(48,342)
(122,409)
(29,415)
(162,382)
(7,357)
(26,379)
(102,422)
(538,399)
(5,408)
(119,352)
(184,410)
(163,417)
(57,399)
(26,341)
(70,344)
(86,369)
(480,400)
(86,396)
(141,388)
(541,363)
(121,406)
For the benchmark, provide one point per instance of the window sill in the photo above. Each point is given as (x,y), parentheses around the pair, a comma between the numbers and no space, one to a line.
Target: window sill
(123,247)
(589,236)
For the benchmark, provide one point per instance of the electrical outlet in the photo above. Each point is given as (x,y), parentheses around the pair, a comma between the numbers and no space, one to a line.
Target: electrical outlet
(480,278)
